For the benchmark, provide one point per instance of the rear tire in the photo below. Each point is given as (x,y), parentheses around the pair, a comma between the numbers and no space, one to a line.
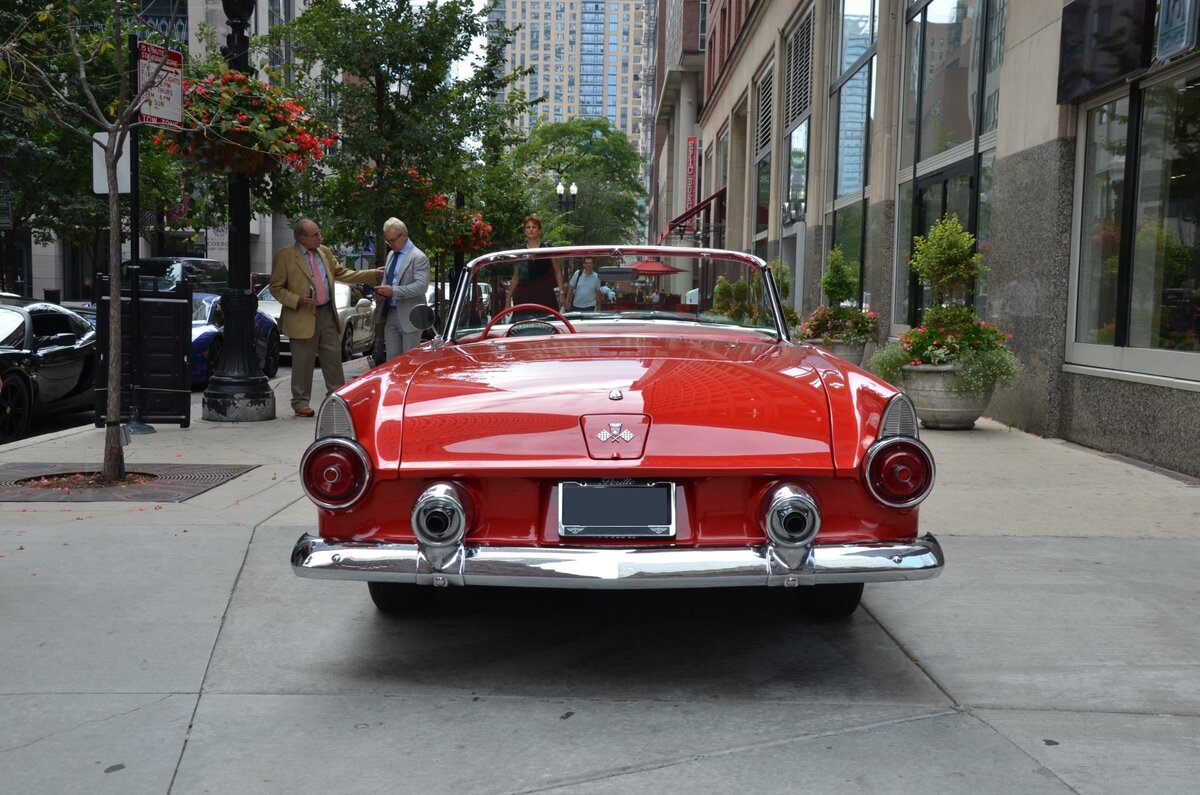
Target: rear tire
(16,404)
(400,597)
(214,358)
(271,363)
(830,602)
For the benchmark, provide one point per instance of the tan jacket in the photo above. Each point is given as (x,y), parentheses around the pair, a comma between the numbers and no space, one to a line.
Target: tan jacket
(291,280)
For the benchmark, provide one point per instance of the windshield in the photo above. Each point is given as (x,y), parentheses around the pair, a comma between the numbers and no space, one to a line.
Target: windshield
(630,283)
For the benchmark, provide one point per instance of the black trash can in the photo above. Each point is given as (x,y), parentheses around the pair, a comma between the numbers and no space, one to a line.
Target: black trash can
(53,295)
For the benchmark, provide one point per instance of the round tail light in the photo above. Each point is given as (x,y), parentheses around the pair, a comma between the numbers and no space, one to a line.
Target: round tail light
(335,472)
(899,471)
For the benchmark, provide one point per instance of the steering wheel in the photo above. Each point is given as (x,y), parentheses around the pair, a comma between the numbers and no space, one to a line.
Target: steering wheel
(520,307)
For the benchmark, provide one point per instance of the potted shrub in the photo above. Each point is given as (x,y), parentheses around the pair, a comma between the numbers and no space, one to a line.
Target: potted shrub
(843,330)
(950,364)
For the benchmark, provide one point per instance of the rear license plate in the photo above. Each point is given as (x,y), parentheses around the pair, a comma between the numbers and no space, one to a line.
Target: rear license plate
(616,509)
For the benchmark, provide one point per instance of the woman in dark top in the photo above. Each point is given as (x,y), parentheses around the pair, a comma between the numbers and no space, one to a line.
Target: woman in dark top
(534,280)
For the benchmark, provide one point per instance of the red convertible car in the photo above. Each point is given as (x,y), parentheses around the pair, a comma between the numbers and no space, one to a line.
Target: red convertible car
(639,443)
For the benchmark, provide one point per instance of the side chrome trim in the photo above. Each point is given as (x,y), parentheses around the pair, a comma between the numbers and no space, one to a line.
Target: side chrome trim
(574,567)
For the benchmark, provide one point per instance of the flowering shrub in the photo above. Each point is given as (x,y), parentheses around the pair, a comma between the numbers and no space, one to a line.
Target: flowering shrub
(839,324)
(244,126)
(952,335)
(447,228)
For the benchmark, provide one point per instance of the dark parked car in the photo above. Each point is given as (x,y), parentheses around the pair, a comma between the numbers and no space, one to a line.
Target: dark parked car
(208,339)
(48,364)
(161,273)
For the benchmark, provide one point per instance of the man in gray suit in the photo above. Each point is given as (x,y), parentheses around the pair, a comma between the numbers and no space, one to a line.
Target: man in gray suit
(405,280)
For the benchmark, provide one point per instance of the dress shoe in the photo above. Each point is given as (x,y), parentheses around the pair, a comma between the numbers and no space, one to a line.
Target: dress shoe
(305,411)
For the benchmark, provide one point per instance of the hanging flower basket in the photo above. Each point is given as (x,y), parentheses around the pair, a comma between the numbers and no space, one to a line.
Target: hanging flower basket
(238,125)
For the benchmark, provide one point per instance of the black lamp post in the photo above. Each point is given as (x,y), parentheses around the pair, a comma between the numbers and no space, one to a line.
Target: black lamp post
(566,198)
(238,390)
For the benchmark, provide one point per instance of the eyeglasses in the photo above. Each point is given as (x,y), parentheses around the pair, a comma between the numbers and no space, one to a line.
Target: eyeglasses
(311,234)
(391,240)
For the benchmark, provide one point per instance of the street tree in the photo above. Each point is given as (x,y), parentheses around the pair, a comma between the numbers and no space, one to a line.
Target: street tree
(385,71)
(49,193)
(67,62)
(602,162)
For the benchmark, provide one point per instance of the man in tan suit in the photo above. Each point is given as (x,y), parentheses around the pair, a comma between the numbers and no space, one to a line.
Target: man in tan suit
(302,279)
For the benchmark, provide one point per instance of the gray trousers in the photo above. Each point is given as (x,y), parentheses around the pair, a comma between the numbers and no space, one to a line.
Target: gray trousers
(325,343)
(396,340)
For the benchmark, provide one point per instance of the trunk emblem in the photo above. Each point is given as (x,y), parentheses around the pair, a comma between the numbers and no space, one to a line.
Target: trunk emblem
(615,433)
(615,395)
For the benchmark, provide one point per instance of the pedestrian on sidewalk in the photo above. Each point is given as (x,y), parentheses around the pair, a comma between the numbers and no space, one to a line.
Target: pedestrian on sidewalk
(303,276)
(405,280)
(583,288)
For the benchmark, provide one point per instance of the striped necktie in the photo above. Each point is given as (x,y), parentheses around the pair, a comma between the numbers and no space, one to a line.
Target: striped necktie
(320,291)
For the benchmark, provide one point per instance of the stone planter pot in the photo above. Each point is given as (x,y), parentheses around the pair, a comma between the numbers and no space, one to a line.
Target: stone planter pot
(939,405)
(851,352)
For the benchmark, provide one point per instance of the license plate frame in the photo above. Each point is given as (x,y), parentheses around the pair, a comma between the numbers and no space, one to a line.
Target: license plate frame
(616,509)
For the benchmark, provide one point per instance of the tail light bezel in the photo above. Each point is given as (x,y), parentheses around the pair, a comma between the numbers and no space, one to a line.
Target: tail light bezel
(358,458)
(877,456)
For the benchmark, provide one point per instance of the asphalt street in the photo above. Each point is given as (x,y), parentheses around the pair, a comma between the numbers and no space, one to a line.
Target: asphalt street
(168,648)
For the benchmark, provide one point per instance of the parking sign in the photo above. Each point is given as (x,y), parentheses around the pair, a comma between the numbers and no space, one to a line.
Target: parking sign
(163,105)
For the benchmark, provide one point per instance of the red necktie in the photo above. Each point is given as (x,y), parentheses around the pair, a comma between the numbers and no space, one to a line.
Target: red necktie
(320,294)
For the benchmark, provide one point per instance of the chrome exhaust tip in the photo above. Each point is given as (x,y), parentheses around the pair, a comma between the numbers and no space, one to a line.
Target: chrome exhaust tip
(439,518)
(792,518)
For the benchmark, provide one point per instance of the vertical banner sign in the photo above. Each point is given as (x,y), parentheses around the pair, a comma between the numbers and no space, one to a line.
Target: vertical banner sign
(689,190)
(163,106)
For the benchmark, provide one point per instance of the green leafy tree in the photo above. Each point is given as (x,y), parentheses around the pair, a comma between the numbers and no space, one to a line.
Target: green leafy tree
(384,69)
(66,62)
(603,162)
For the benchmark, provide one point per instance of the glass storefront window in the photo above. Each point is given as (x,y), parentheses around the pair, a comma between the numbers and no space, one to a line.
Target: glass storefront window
(1166,250)
(947,114)
(797,187)
(908,99)
(852,103)
(904,210)
(848,233)
(763,195)
(1100,246)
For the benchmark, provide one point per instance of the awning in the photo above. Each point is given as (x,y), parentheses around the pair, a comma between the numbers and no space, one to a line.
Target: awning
(682,219)
(653,267)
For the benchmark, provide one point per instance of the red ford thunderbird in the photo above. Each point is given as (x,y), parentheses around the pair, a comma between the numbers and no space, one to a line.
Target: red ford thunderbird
(636,441)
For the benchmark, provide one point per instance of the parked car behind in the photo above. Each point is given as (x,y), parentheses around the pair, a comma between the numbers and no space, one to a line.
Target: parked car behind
(208,339)
(355,310)
(48,363)
(162,273)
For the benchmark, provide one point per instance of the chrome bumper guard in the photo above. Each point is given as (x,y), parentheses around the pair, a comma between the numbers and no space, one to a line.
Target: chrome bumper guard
(574,567)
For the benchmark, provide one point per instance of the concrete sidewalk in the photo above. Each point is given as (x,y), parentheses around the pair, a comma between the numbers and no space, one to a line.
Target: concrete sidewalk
(166,647)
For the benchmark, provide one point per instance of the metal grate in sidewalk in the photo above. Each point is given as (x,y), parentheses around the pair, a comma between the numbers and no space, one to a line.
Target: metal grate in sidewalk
(170,482)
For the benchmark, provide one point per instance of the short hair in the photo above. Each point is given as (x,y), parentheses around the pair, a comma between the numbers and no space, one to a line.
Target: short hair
(298,228)
(534,218)
(395,225)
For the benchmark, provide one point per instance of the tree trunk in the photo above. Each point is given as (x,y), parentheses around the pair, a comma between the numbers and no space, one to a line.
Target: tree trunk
(114,453)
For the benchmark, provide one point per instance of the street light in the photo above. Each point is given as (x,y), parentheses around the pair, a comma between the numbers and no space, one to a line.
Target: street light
(566,203)
(238,391)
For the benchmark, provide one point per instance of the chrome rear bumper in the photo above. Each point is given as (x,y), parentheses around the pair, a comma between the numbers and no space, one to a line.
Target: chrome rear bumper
(575,567)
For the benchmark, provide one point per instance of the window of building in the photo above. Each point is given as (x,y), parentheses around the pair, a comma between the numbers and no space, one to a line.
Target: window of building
(950,106)
(1137,285)
(764,91)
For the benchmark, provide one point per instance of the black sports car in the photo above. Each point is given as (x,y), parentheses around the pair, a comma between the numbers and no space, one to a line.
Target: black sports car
(48,362)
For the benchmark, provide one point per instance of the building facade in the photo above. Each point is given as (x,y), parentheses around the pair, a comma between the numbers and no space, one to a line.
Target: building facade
(1065,136)
(586,56)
